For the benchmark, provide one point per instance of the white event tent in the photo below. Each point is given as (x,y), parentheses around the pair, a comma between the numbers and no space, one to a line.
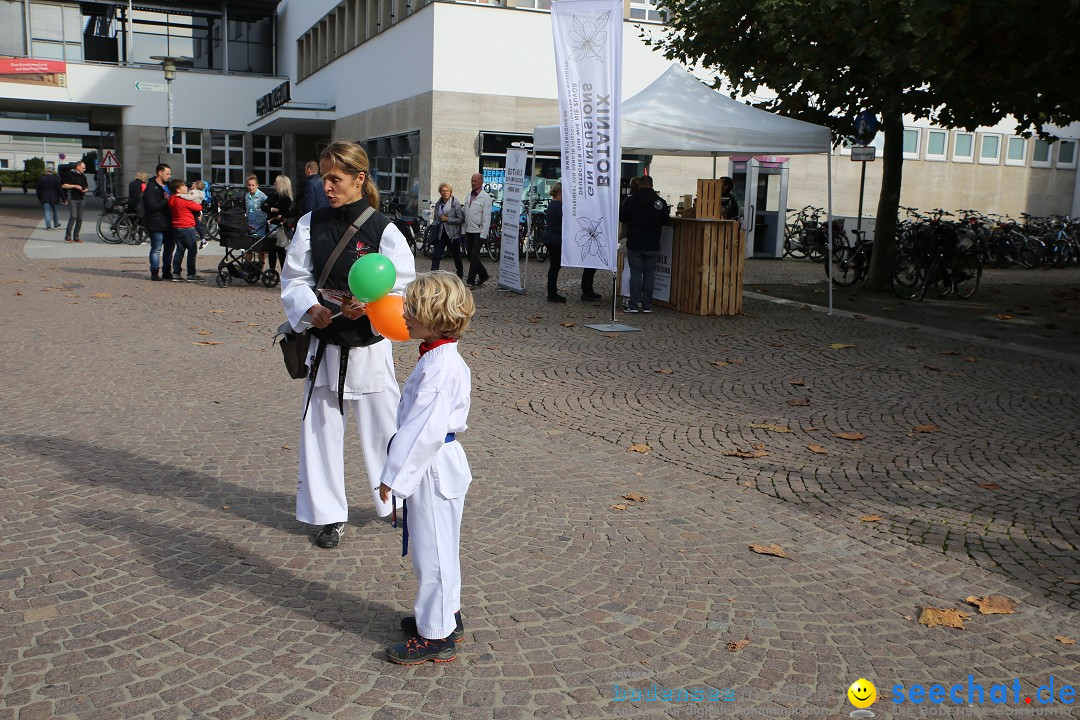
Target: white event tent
(679,115)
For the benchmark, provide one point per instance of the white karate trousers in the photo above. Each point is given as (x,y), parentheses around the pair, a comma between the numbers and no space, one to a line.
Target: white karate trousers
(434,543)
(320,491)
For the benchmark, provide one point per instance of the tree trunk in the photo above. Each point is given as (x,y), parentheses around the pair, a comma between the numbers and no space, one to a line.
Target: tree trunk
(883,260)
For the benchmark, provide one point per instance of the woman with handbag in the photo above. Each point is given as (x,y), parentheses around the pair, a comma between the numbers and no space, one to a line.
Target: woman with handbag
(277,207)
(351,367)
(449,219)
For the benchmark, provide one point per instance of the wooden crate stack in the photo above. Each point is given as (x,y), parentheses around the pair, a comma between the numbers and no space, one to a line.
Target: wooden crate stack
(707,268)
(708,200)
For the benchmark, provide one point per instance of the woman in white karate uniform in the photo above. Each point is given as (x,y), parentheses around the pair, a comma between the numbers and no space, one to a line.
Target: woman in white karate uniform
(354,367)
(427,468)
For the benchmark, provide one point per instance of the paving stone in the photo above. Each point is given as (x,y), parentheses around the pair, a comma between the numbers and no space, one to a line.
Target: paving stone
(182,587)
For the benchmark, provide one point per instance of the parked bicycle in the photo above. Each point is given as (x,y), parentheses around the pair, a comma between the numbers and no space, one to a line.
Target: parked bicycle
(119,224)
(850,263)
(933,253)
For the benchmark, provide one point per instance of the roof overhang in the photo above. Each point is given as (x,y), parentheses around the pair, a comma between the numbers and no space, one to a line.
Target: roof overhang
(296,119)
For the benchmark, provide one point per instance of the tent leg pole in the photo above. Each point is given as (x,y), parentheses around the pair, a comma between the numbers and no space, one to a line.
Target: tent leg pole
(614,294)
(829,219)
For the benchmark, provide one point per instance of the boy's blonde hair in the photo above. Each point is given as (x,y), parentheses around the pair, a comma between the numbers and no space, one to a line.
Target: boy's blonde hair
(441,301)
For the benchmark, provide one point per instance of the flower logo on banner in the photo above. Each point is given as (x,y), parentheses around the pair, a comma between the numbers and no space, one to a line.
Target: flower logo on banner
(591,237)
(588,38)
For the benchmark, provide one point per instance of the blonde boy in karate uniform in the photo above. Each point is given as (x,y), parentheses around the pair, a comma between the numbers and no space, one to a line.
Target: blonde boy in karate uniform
(426,467)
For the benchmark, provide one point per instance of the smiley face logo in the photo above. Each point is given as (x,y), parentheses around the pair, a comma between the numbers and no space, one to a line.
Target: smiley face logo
(862,693)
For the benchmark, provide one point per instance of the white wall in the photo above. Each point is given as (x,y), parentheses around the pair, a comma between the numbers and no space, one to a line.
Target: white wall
(200,100)
(503,51)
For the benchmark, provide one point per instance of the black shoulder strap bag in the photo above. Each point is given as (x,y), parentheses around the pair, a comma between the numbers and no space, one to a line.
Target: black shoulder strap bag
(294,346)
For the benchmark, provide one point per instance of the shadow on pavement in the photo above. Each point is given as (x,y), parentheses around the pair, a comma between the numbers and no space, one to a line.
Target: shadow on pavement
(93,465)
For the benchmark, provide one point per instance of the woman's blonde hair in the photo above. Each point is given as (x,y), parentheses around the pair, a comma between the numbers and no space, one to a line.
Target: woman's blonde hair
(141,176)
(446,185)
(351,158)
(283,186)
(251,177)
(441,301)
(556,189)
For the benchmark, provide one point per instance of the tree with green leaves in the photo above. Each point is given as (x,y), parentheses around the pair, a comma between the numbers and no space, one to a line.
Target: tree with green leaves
(958,63)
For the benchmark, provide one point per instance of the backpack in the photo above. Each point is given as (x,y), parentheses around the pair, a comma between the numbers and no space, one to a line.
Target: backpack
(140,206)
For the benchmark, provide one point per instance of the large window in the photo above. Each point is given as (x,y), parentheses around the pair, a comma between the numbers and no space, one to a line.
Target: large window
(963,147)
(226,158)
(394,166)
(645,10)
(990,150)
(1040,154)
(936,141)
(189,144)
(12,38)
(911,143)
(268,160)
(1016,151)
(55,31)
(1066,157)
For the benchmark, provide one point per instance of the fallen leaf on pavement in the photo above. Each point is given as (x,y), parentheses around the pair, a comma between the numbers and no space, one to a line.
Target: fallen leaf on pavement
(971,359)
(1071,580)
(568,324)
(493,347)
(776,345)
(745,453)
(226,507)
(717,363)
(948,352)
(989,486)
(286,447)
(841,346)
(1064,640)
(1003,316)
(870,518)
(639,448)
(204,332)
(207,342)
(253,324)
(993,604)
(101,295)
(850,436)
(933,368)
(611,335)
(217,311)
(799,402)
(797,381)
(927,428)
(737,646)
(759,446)
(946,617)
(535,319)
(18,292)
(635,497)
(664,371)
(620,506)
(775,550)
(815,448)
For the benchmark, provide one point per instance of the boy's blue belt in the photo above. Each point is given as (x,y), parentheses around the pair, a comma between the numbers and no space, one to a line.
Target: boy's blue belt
(450,437)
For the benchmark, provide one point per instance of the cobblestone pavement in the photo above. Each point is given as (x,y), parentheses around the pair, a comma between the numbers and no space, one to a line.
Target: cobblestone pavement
(151,566)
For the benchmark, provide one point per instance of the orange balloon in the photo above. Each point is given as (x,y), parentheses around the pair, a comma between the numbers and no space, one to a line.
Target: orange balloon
(386,316)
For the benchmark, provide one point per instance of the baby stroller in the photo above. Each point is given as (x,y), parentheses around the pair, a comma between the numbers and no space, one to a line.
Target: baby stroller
(241,243)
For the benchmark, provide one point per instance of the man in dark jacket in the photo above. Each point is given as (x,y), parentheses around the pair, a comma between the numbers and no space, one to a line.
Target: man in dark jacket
(157,219)
(312,196)
(645,213)
(75,184)
(48,194)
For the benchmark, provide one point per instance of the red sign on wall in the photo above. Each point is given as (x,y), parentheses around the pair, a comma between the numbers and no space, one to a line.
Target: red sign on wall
(33,72)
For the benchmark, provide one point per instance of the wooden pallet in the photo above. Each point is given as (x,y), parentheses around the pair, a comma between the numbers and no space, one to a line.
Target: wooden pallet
(707,267)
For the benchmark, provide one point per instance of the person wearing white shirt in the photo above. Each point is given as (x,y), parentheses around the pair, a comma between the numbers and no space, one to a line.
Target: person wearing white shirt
(477,225)
(351,366)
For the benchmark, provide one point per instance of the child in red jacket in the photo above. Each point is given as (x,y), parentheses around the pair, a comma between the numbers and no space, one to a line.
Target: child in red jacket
(183,227)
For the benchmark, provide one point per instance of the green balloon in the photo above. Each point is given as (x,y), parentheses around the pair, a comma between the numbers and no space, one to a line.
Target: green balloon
(371,277)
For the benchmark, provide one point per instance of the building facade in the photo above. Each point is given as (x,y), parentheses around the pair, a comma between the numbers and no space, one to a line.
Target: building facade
(435,89)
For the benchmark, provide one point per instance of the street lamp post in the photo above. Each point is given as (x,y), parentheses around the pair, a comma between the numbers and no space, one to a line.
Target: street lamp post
(168,64)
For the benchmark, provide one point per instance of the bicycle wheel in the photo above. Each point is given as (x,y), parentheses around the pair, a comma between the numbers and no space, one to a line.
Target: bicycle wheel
(129,230)
(966,274)
(210,227)
(909,279)
(846,265)
(792,248)
(107,230)
(492,248)
(541,251)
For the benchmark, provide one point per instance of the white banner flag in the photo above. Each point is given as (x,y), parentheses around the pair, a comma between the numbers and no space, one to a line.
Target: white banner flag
(509,262)
(588,60)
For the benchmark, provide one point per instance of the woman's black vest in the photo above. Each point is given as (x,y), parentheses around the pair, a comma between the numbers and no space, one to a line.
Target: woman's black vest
(327,226)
